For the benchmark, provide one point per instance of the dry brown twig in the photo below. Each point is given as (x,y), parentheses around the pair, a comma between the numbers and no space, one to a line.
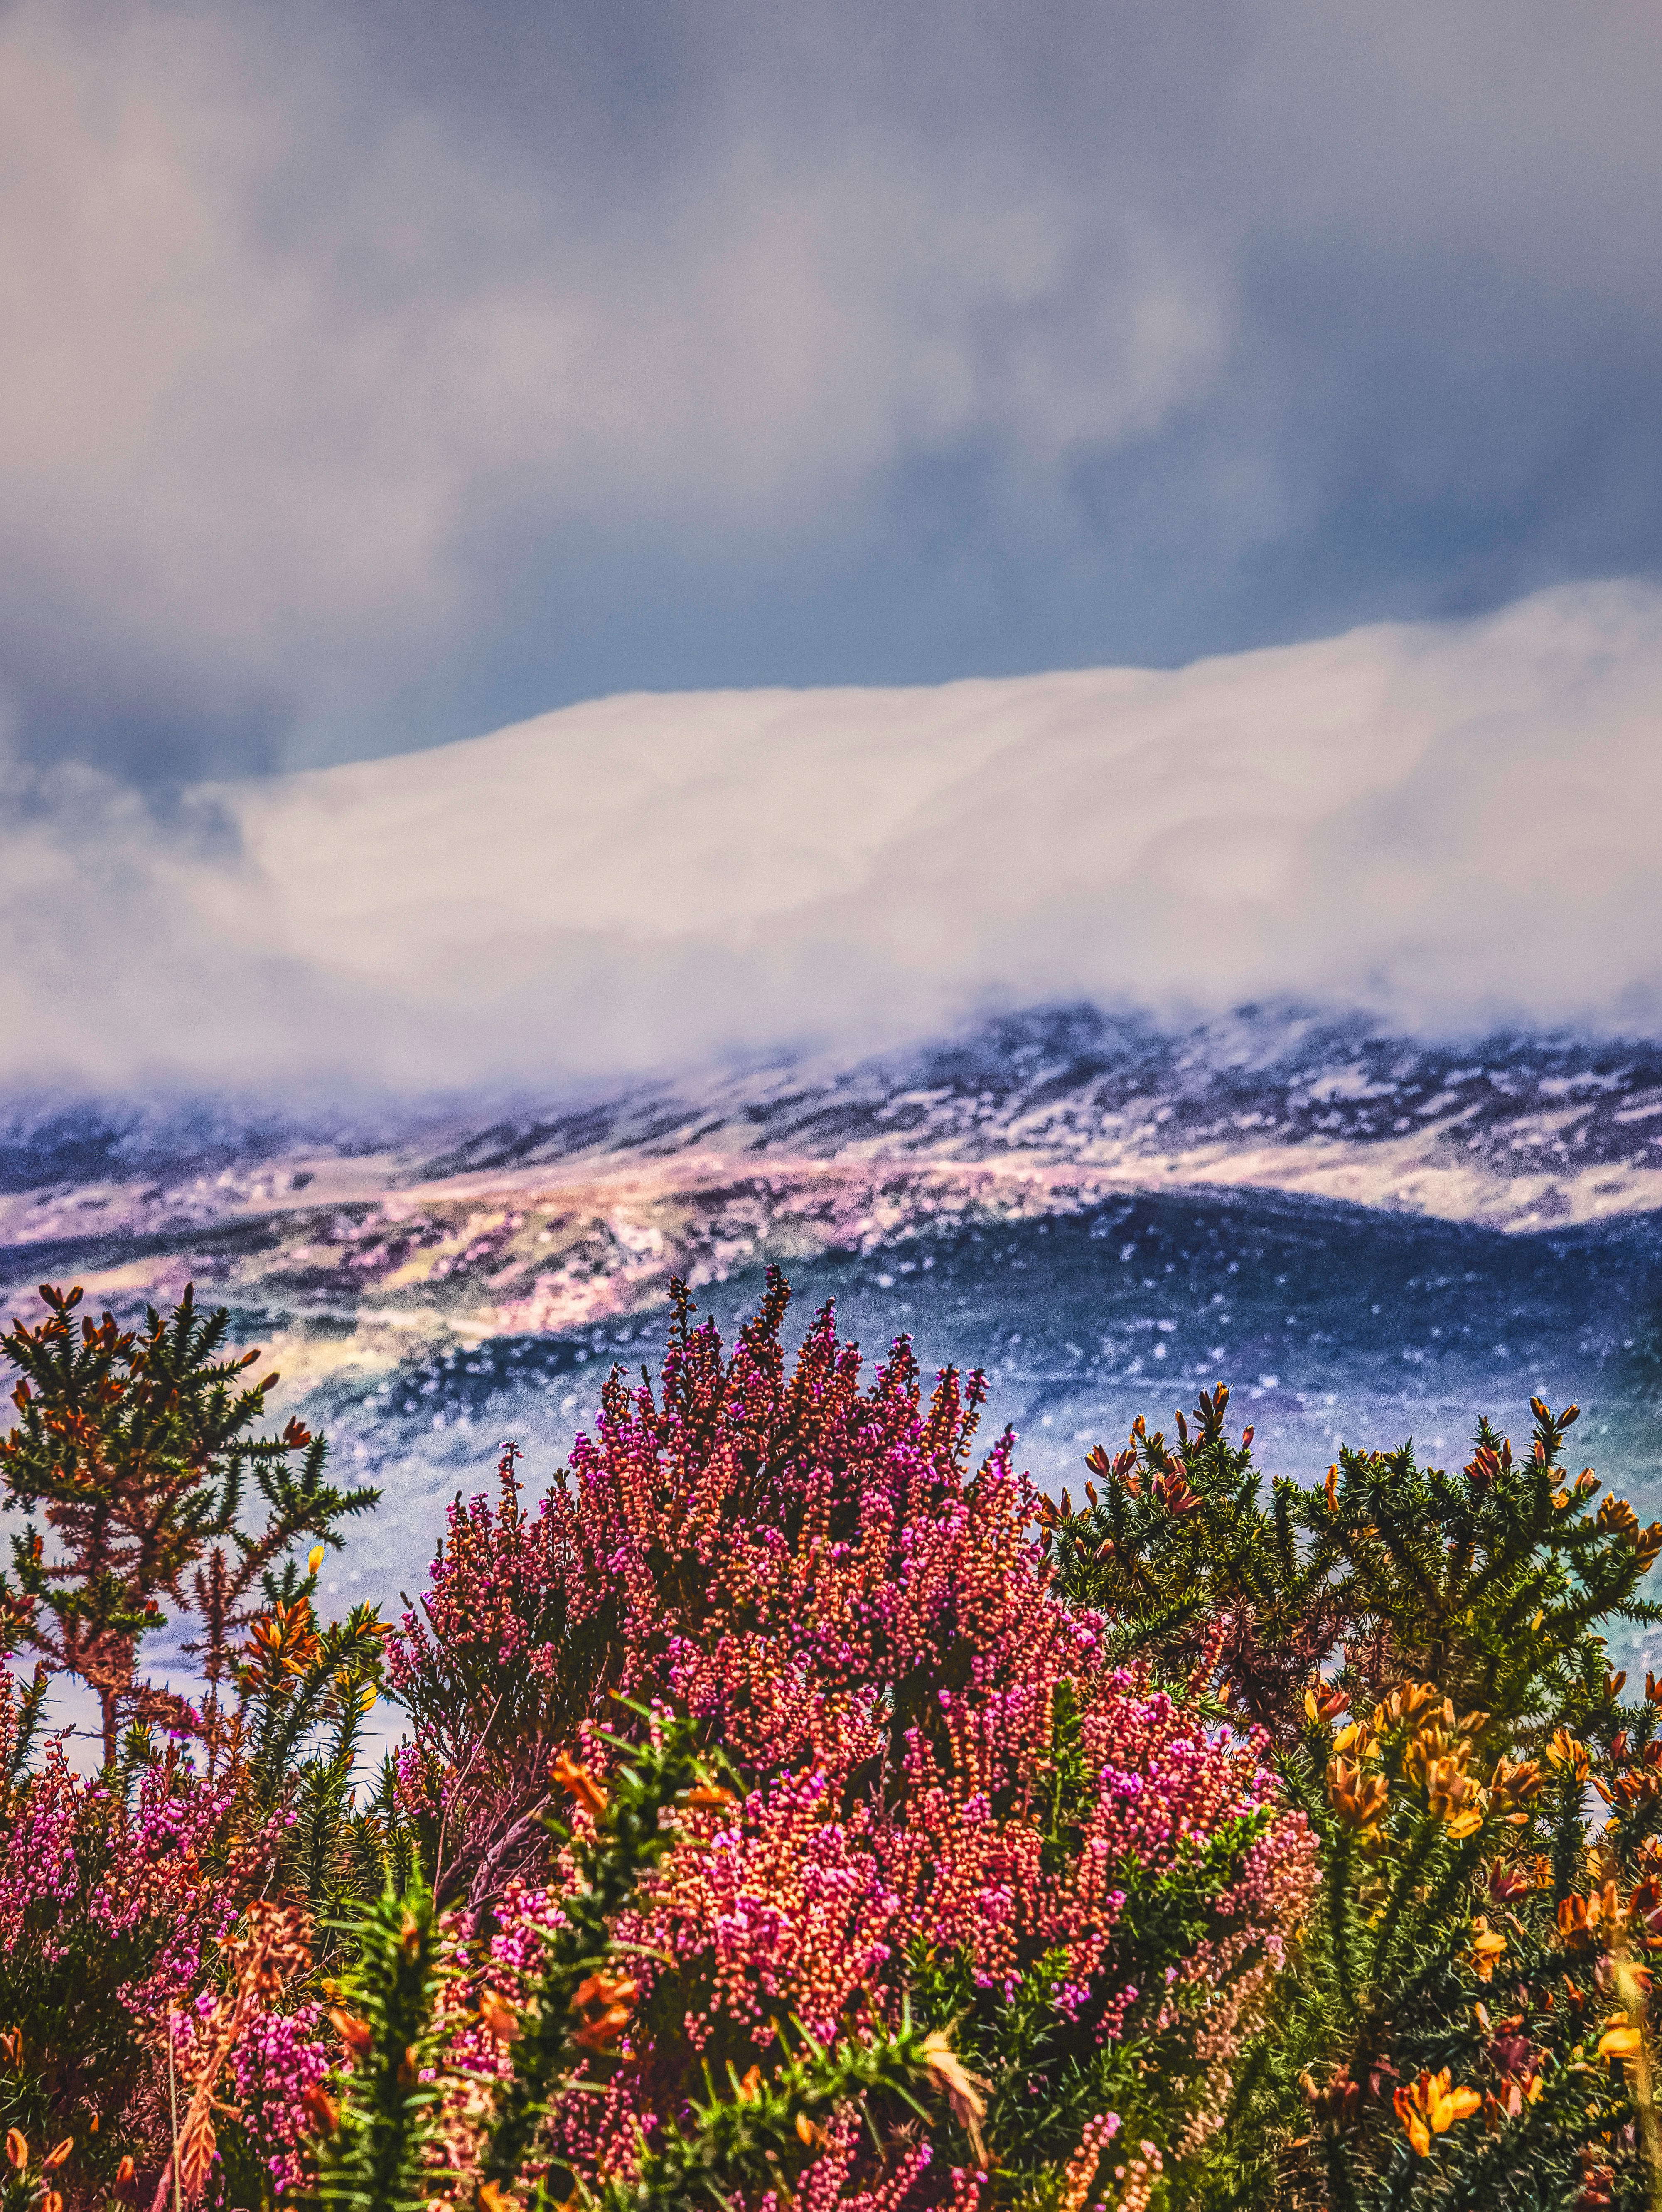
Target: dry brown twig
(273,1945)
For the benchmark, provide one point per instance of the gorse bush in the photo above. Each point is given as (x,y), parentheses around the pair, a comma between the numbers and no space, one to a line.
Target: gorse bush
(798,1810)
(135,1448)
(1462,2022)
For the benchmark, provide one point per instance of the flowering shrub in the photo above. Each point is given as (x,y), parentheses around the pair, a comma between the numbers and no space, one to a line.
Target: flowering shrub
(276,2066)
(123,1905)
(950,1796)
(1464,2023)
(134,1447)
(129,1900)
(1199,1849)
(114,1894)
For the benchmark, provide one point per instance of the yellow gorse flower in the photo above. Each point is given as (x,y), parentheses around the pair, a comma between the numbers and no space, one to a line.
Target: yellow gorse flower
(1514,1786)
(1429,2107)
(1357,1799)
(1407,1704)
(1437,1755)
(1564,1752)
(1620,2040)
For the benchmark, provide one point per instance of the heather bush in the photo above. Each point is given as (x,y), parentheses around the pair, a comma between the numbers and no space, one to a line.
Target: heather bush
(951,1796)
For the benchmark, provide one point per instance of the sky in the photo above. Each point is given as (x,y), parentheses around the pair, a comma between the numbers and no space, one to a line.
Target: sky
(375,377)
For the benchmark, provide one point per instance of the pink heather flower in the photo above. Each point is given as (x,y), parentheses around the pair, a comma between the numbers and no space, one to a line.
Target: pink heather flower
(813,1570)
(280,2056)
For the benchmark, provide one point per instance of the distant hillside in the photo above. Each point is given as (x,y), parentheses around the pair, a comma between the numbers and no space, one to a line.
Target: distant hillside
(362,1242)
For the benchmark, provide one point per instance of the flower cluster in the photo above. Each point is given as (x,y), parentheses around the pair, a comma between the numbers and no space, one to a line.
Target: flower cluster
(156,1876)
(122,1897)
(275,2070)
(927,1847)
(947,1786)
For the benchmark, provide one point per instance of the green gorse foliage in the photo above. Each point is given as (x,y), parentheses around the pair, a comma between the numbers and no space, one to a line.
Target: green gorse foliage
(762,2134)
(1494,1581)
(374,2159)
(1425,1652)
(136,1449)
(630,1829)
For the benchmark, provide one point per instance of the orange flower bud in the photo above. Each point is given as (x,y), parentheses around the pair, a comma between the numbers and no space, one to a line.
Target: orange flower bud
(601,2033)
(582,1785)
(604,1988)
(1573,1919)
(322,2108)
(1616,1516)
(1619,2040)
(1488,1948)
(356,2034)
(1322,1702)
(1408,2113)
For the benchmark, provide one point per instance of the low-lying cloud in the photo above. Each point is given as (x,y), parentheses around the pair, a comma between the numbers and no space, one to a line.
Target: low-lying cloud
(1450,825)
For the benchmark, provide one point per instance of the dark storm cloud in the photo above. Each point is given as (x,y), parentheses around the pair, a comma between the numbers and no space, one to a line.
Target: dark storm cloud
(374,376)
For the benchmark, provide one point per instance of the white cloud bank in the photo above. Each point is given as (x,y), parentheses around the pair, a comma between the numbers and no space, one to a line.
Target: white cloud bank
(1449,824)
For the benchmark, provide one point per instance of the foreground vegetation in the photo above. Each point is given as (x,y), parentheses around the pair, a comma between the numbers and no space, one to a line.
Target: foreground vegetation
(793,1812)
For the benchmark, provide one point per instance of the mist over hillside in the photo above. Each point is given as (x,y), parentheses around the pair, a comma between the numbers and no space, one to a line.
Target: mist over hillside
(1449,826)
